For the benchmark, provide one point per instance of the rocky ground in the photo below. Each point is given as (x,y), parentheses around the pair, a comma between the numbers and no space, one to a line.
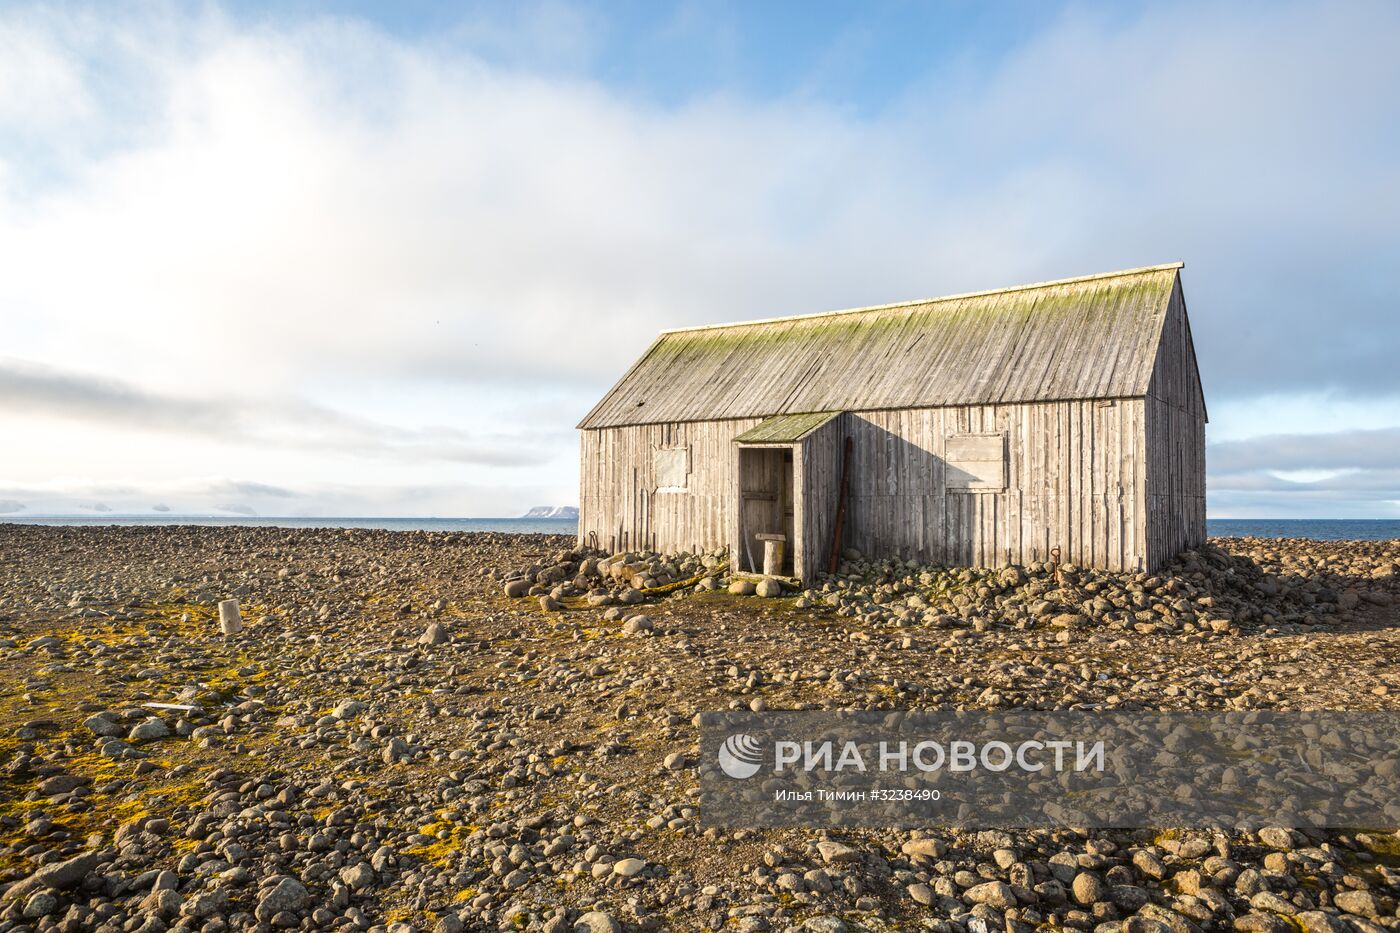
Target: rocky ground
(393,742)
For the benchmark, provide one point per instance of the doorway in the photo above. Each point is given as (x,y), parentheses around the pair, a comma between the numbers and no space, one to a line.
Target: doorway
(766,505)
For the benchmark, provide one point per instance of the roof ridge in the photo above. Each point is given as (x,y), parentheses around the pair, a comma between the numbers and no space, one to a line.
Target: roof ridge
(927,301)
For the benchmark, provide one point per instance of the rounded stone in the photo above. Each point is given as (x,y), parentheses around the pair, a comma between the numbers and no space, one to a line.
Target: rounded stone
(1089,888)
(628,867)
(595,921)
(768,588)
(921,894)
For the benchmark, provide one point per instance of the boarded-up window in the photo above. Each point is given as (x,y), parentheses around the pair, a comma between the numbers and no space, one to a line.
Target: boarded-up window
(974,462)
(672,469)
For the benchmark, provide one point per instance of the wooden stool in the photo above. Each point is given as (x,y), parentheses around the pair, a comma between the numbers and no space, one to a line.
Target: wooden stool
(773,548)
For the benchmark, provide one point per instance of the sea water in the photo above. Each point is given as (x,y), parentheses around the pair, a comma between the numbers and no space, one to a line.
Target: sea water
(1321,529)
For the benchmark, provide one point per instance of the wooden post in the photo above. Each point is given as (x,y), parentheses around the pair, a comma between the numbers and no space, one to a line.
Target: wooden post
(230,621)
(773,548)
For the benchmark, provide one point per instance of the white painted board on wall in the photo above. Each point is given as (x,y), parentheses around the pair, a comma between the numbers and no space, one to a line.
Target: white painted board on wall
(672,468)
(974,462)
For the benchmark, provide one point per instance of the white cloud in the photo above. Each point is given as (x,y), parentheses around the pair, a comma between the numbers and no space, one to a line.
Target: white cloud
(1371,449)
(1303,412)
(323,217)
(1343,473)
(35,391)
(213,495)
(1308,476)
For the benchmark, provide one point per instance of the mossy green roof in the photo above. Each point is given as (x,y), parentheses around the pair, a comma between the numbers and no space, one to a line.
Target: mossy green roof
(784,429)
(1091,337)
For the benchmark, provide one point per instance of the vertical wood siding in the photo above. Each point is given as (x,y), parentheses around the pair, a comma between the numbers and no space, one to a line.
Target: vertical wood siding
(820,454)
(1077,475)
(618,500)
(1176,443)
(1075,480)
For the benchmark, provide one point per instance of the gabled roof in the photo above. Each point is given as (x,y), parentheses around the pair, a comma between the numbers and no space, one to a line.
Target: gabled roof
(784,429)
(1089,337)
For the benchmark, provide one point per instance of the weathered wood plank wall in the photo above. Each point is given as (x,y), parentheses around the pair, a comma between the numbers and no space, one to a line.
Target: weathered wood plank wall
(821,486)
(617,498)
(1175,441)
(1076,479)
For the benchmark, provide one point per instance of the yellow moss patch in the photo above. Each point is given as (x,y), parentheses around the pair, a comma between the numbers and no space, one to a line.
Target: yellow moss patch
(128,812)
(1385,846)
(450,838)
(95,766)
(22,809)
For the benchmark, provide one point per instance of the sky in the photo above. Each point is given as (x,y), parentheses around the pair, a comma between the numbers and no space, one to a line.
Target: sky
(296,258)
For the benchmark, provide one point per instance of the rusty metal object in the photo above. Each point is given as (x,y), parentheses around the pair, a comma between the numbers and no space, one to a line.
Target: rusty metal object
(840,525)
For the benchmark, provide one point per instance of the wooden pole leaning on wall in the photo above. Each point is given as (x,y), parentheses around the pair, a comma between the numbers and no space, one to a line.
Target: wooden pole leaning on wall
(744,533)
(839,526)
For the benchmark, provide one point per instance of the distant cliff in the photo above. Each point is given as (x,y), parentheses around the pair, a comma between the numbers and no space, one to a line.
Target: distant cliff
(552,511)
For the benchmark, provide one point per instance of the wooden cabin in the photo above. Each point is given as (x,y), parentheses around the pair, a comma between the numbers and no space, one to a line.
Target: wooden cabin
(1058,420)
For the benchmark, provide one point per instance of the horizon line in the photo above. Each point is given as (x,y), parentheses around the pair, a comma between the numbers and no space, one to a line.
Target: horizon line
(16,516)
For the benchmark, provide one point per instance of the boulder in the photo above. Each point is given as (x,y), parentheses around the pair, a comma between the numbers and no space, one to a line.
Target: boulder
(105,724)
(628,867)
(992,893)
(1360,903)
(62,784)
(285,895)
(837,853)
(436,634)
(595,921)
(149,730)
(358,877)
(925,849)
(60,876)
(1089,888)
